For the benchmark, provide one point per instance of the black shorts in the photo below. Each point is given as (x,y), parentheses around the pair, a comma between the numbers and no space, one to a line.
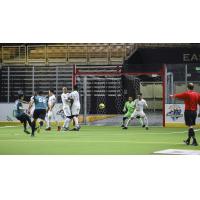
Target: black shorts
(24,117)
(39,113)
(190,117)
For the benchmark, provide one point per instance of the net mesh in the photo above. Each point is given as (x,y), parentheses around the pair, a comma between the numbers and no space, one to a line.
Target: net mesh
(113,91)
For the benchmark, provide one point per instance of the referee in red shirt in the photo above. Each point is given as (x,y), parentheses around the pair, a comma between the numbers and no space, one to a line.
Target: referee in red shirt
(191,100)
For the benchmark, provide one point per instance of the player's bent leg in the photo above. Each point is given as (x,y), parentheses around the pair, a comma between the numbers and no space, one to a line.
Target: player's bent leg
(26,119)
(146,122)
(127,122)
(131,117)
(126,116)
(123,122)
(49,116)
(77,126)
(33,127)
(66,123)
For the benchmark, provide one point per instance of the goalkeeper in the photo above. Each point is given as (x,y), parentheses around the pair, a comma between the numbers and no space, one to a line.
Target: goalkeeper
(128,110)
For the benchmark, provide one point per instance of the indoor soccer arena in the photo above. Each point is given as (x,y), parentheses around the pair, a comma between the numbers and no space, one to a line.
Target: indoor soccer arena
(105,77)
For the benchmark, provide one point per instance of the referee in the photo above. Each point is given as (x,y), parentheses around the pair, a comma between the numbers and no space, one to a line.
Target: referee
(191,100)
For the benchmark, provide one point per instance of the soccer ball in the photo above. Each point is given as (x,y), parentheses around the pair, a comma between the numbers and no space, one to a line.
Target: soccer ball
(101,106)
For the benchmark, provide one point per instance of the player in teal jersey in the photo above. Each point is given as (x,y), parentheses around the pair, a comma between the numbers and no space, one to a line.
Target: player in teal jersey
(41,106)
(128,110)
(20,114)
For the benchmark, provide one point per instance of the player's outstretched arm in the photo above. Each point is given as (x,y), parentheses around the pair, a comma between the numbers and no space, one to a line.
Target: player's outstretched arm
(179,96)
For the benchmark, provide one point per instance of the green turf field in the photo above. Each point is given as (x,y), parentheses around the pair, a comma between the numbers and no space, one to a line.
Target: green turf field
(93,140)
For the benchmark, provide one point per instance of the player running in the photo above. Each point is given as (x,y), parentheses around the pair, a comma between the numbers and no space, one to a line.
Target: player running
(40,110)
(191,101)
(128,110)
(50,113)
(20,114)
(66,109)
(75,109)
(139,105)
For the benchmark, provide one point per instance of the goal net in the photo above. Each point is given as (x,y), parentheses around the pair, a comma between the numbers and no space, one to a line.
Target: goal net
(113,90)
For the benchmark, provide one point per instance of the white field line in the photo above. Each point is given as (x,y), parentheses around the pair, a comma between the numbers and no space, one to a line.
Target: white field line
(196,130)
(9,126)
(86,141)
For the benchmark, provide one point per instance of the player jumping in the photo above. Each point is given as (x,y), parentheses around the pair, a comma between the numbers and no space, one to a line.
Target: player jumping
(128,110)
(139,105)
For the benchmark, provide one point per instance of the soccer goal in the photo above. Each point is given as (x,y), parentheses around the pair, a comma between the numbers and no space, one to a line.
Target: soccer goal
(108,85)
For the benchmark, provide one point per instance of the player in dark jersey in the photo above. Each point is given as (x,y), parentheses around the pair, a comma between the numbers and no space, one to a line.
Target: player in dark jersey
(191,100)
(20,114)
(40,102)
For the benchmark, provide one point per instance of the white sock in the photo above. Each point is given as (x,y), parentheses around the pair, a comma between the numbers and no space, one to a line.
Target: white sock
(66,124)
(146,121)
(127,122)
(141,121)
(76,121)
(48,123)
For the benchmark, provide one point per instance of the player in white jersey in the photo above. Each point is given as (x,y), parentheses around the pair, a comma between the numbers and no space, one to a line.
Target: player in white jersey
(66,109)
(75,109)
(139,105)
(32,103)
(50,113)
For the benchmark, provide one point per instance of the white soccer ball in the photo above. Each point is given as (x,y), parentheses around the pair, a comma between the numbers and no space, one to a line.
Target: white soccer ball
(101,106)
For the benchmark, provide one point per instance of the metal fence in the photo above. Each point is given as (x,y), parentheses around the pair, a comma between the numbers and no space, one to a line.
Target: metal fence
(33,78)
(177,76)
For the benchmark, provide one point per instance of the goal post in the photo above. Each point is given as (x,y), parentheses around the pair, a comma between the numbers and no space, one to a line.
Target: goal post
(111,86)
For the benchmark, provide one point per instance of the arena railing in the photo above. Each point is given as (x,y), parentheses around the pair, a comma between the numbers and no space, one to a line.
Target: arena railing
(66,53)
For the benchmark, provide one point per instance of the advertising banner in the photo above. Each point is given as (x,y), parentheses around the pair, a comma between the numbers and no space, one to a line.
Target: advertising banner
(174,115)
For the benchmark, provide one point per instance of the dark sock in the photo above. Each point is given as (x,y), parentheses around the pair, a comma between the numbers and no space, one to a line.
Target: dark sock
(124,119)
(190,133)
(41,123)
(29,122)
(33,127)
(25,125)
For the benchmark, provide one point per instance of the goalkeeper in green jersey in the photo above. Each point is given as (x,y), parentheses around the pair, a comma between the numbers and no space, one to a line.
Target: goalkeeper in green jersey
(128,109)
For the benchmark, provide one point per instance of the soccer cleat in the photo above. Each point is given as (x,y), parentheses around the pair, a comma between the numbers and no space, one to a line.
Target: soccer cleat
(194,143)
(122,125)
(32,135)
(76,129)
(147,128)
(64,129)
(27,132)
(48,129)
(125,128)
(143,126)
(187,142)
